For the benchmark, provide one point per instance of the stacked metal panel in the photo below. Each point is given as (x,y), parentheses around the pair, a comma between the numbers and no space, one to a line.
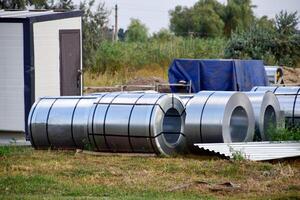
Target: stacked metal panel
(257,151)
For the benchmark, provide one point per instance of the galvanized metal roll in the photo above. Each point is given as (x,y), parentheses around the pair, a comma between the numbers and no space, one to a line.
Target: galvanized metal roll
(217,117)
(267,113)
(60,122)
(140,122)
(264,88)
(289,100)
(185,98)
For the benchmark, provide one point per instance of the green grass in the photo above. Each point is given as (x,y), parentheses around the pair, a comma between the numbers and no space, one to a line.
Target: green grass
(29,174)
(117,56)
(283,134)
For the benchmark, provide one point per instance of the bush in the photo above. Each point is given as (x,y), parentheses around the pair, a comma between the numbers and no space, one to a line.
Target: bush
(276,45)
(120,56)
(283,134)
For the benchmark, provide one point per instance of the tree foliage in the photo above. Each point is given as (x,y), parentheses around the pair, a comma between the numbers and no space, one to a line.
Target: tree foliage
(202,20)
(13,4)
(286,23)
(275,42)
(37,4)
(209,18)
(136,31)
(94,24)
(238,14)
(163,35)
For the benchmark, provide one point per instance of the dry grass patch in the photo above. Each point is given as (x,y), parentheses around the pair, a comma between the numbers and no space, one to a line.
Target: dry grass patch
(57,174)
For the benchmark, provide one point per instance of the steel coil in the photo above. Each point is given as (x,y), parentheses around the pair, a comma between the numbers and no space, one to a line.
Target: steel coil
(185,98)
(60,122)
(217,117)
(289,101)
(267,113)
(138,122)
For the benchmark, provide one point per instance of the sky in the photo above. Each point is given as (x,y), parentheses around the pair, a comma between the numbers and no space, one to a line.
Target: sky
(155,13)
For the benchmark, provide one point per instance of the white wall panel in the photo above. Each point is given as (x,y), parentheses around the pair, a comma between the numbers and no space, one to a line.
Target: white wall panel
(11,77)
(46,54)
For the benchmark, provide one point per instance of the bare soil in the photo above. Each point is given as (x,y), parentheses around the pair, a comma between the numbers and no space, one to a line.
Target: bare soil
(292,75)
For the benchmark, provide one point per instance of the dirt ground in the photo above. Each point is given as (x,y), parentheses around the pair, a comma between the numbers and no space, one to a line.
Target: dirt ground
(138,83)
(291,76)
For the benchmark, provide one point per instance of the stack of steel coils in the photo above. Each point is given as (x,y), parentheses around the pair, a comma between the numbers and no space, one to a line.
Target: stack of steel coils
(151,122)
(289,100)
(114,122)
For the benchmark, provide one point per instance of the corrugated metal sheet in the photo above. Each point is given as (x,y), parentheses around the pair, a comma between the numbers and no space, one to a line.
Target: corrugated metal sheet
(256,151)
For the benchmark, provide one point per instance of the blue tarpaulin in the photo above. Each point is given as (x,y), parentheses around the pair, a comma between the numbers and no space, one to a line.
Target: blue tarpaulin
(225,75)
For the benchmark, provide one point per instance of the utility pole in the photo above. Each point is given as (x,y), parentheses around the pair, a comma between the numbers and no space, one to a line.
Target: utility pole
(116,22)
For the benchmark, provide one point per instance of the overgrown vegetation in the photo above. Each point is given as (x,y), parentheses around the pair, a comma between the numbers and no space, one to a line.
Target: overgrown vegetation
(277,43)
(38,4)
(209,18)
(94,24)
(30,174)
(112,57)
(284,134)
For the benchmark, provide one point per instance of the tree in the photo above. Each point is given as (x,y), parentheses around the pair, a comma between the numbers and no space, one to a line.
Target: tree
(266,23)
(65,5)
(163,35)
(238,15)
(279,45)
(37,4)
(94,24)
(180,21)
(203,19)
(286,23)
(136,31)
(287,44)
(13,4)
(206,21)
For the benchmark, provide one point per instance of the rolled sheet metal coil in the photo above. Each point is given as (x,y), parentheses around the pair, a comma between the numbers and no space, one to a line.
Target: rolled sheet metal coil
(185,98)
(217,117)
(140,123)
(60,122)
(289,100)
(266,112)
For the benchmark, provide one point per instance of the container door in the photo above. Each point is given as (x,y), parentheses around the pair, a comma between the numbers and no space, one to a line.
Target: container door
(70,62)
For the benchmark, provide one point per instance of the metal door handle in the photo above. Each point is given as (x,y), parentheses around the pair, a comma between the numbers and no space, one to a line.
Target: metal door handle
(79,73)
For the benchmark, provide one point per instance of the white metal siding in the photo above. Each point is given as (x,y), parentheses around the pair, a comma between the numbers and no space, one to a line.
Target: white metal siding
(11,77)
(46,54)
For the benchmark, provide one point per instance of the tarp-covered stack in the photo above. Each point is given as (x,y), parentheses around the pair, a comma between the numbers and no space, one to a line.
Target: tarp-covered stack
(221,75)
